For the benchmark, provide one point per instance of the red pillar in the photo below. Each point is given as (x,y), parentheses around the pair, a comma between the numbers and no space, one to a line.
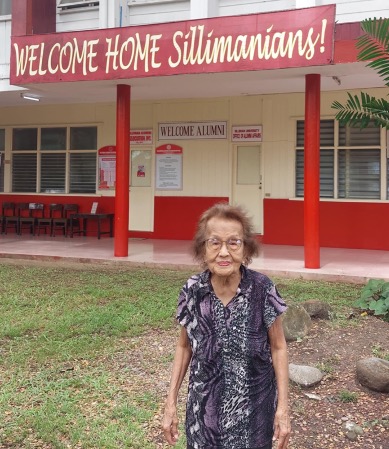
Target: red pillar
(33,17)
(312,171)
(122,197)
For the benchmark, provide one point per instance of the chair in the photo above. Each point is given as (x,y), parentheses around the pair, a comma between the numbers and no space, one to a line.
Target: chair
(63,223)
(28,220)
(12,221)
(46,223)
(7,210)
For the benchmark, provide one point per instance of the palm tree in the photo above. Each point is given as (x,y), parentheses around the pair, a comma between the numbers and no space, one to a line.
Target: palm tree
(361,109)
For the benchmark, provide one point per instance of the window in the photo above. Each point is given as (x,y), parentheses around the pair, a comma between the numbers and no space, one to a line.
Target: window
(54,159)
(350,161)
(65,5)
(2,150)
(5,7)
(326,159)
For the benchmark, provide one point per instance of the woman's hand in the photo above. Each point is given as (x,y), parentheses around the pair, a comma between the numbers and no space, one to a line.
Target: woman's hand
(282,428)
(170,424)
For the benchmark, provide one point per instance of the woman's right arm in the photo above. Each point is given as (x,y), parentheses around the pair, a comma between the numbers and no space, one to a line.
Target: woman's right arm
(181,361)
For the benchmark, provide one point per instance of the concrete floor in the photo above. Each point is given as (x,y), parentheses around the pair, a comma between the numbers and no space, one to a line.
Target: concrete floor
(346,265)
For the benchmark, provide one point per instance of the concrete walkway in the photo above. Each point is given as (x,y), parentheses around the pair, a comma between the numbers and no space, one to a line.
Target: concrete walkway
(344,265)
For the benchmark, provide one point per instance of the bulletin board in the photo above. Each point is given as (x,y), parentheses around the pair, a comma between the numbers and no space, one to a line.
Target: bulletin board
(107,167)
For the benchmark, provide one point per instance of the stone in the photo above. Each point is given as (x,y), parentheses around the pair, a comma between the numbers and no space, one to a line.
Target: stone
(352,430)
(305,376)
(373,373)
(296,323)
(317,309)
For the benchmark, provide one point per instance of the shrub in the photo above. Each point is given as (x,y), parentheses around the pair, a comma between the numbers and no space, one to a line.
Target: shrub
(374,298)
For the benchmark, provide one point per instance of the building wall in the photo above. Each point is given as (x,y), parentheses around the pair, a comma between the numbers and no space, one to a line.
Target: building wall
(5,39)
(141,12)
(208,168)
(78,20)
(346,10)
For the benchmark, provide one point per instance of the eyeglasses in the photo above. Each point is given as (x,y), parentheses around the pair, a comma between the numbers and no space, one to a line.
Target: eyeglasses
(215,244)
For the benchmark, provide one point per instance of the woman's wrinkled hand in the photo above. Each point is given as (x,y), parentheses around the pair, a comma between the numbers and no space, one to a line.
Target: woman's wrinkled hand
(170,424)
(282,428)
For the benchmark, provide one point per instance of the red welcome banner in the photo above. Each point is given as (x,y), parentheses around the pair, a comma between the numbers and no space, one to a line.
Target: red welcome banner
(295,38)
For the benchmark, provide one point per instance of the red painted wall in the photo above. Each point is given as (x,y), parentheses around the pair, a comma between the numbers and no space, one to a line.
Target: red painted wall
(342,224)
(175,218)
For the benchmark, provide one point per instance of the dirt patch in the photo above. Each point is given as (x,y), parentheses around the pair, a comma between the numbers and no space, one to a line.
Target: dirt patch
(317,423)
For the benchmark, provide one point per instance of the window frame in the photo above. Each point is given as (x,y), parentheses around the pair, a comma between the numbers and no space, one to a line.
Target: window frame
(384,163)
(77,5)
(67,151)
(6,16)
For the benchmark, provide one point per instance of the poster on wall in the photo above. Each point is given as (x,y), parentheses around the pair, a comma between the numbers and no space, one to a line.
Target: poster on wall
(168,167)
(107,167)
(246,133)
(141,168)
(141,137)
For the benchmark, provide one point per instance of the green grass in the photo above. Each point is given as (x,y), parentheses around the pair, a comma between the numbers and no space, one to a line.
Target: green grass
(60,331)
(348,396)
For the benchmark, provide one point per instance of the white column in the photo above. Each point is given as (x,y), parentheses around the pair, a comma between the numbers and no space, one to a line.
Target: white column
(200,9)
(103,14)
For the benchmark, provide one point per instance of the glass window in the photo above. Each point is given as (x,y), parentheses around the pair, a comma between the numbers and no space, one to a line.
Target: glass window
(358,155)
(63,162)
(24,167)
(82,173)
(387,178)
(74,4)
(326,133)
(5,7)
(359,174)
(356,137)
(326,173)
(53,139)
(327,139)
(53,172)
(83,138)
(24,139)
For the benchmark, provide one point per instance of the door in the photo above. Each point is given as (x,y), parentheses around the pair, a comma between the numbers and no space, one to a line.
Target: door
(141,190)
(248,182)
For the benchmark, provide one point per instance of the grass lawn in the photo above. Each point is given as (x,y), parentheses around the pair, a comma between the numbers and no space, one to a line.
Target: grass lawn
(63,331)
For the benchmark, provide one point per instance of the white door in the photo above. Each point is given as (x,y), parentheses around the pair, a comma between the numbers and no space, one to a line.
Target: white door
(141,190)
(248,182)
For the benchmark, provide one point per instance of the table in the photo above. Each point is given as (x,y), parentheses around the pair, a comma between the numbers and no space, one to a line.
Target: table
(85,217)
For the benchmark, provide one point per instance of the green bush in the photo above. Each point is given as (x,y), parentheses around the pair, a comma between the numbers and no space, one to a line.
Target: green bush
(374,298)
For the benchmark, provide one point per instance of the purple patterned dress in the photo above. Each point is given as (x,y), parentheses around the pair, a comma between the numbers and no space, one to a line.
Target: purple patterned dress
(232,387)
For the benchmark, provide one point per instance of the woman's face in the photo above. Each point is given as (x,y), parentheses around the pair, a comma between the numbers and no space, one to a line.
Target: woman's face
(224,262)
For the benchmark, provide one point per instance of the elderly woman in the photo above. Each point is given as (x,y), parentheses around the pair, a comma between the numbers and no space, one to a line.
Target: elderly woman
(232,338)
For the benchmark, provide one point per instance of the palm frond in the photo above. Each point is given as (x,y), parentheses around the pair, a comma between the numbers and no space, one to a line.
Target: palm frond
(374,46)
(360,111)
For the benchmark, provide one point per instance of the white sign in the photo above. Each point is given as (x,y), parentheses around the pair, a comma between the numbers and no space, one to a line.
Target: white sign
(141,137)
(247,133)
(168,167)
(192,130)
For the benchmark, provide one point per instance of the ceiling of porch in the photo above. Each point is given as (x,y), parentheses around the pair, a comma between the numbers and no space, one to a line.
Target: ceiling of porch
(333,78)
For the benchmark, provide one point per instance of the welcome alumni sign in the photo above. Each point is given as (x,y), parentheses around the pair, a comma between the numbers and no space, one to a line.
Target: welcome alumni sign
(283,39)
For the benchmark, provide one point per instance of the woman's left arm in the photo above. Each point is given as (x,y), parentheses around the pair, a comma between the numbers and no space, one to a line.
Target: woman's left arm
(279,354)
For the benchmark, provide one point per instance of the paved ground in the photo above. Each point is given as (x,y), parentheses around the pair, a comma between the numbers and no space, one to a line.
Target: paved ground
(336,264)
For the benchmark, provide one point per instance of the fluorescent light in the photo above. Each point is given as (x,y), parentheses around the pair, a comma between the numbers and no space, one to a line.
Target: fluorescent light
(30,97)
